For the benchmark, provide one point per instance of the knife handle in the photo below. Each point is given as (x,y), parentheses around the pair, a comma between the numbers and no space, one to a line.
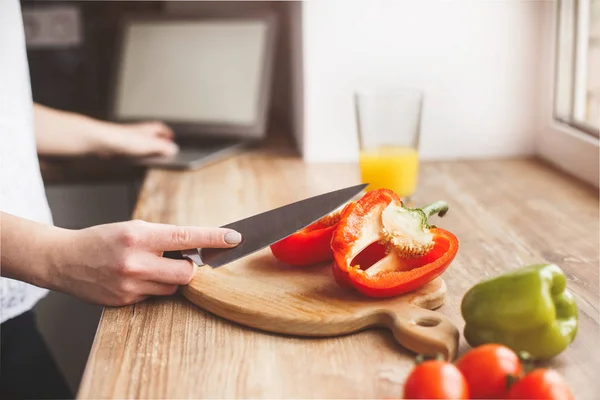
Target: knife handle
(192,254)
(174,255)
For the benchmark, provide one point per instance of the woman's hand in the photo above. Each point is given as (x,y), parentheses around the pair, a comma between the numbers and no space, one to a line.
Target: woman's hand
(65,133)
(114,264)
(134,140)
(122,263)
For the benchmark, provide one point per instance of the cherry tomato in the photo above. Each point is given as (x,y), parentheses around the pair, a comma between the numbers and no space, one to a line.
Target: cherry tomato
(486,368)
(541,383)
(435,379)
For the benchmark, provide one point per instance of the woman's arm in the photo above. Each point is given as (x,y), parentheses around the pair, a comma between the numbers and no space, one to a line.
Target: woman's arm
(69,134)
(28,249)
(111,264)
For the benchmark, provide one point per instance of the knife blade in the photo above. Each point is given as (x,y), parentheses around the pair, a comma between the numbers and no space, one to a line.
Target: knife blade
(262,230)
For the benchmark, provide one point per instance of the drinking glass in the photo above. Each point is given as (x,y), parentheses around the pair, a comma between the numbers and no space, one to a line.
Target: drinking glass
(389,125)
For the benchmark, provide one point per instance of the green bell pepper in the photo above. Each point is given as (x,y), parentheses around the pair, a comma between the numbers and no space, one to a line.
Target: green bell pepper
(529,309)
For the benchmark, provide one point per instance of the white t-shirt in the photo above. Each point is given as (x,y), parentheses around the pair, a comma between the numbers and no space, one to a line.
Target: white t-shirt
(21,186)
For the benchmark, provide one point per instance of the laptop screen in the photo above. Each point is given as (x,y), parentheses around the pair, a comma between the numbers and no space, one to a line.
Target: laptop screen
(207,71)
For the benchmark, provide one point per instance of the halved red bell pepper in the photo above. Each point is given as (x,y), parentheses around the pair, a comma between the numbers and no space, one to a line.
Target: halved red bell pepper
(311,245)
(382,248)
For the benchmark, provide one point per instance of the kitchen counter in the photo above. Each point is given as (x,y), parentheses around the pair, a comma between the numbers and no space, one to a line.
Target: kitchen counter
(506,213)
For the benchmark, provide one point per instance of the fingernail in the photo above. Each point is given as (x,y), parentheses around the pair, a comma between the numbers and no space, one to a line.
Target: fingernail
(233,237)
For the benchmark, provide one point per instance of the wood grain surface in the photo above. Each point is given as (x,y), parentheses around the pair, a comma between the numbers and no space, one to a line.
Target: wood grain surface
(506,213)
(260,292)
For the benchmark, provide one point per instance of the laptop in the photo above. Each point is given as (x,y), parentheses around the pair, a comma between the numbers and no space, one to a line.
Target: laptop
(207,78)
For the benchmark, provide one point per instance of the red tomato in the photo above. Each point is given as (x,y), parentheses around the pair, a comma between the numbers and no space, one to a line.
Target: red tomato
(486,368)
(541,383)
(435,379)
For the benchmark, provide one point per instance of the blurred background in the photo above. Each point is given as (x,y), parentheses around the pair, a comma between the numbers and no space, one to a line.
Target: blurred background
(499,79)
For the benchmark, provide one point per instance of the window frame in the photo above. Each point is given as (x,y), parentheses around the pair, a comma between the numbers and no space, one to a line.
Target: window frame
(571,146)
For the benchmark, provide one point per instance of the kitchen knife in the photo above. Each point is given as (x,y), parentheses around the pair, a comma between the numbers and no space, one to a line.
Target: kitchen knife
(262,230)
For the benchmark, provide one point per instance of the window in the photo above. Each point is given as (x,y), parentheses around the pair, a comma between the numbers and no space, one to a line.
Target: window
(577,86)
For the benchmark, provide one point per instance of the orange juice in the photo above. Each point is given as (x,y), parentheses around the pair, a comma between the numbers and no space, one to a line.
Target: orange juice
(390,167)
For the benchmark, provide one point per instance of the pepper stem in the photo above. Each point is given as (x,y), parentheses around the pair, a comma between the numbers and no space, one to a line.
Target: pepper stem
(439,207)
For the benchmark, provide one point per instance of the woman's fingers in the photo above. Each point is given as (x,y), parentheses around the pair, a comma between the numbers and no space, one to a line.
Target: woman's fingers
(136,145)
(153,268)
(157,289)
(154,128)
(165,237)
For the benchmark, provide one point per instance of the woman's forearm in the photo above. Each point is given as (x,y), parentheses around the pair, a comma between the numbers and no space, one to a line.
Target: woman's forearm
(64,133)
(69,134)
(112,264)
(29,249)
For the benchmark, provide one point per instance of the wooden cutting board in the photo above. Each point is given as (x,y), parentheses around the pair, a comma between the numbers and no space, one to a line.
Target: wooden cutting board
(260,292)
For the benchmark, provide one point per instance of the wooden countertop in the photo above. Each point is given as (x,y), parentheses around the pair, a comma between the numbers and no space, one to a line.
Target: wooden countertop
(506,213)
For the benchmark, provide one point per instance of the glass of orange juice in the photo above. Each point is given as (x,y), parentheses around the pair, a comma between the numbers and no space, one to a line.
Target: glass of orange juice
(389,122)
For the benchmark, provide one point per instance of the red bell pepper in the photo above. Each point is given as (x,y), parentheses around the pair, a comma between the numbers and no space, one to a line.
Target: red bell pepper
(382,248)
(310,245)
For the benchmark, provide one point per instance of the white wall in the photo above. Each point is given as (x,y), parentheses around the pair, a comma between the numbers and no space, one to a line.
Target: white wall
(477,62)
